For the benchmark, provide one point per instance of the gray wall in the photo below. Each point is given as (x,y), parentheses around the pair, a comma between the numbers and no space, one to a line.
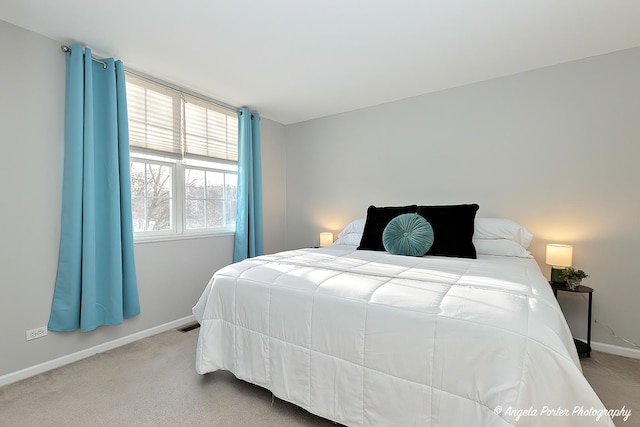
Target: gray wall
(171,274)
(274,182)
(556,149)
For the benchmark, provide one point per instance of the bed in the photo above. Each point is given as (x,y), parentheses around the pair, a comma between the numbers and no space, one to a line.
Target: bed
(368,338)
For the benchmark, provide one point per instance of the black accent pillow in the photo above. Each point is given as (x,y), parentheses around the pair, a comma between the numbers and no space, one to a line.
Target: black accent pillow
(377,220)
(452,229)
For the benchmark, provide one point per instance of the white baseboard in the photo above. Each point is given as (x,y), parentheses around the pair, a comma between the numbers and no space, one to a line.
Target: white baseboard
(633,353)
(83,354)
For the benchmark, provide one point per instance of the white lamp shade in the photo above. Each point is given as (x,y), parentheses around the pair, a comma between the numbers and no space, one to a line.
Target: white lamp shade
(326,239)
(559,255)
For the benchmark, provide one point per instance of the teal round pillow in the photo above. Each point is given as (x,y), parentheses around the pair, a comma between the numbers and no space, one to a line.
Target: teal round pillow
(408,234)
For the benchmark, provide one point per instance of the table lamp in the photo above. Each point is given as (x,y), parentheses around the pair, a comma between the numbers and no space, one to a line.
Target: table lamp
(326,239)
(559,257)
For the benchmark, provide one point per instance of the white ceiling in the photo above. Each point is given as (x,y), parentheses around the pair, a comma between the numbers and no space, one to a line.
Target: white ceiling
(295,60)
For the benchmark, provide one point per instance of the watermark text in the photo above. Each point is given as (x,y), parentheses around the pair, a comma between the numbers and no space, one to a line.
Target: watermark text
(548,411)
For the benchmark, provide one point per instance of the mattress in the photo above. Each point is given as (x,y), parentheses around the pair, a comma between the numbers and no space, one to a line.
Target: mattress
(365,338)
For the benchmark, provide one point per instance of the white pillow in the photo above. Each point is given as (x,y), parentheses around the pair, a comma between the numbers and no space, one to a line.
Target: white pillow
(349,239)
(502,247)
(500,228)
(356,226)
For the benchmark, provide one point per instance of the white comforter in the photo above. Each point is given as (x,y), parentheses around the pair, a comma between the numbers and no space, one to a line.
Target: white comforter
(369,338)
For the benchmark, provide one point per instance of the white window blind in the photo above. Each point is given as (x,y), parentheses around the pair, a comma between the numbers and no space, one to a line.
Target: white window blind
(154,117)
(166,120)
(210,130)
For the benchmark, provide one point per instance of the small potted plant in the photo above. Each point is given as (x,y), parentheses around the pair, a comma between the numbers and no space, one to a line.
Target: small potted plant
(573,277)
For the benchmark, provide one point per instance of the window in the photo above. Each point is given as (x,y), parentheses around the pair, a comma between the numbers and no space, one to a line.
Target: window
(184,154)
(210,198)
(152,195)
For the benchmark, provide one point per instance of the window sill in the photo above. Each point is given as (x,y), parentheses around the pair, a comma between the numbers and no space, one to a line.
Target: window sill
(173,237)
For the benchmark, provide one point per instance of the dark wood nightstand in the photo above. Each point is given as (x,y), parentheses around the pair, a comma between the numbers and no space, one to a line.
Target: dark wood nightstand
(584,348)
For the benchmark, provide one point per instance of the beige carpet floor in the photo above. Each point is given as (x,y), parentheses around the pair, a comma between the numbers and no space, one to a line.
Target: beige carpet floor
(152,382)
(616,380)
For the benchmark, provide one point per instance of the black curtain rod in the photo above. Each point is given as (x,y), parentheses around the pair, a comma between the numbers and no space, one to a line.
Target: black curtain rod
(241,113)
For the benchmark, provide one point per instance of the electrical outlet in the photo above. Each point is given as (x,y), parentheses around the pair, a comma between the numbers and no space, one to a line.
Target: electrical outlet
(40,332)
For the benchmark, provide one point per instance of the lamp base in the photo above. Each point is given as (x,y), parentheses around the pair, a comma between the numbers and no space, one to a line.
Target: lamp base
(556,275)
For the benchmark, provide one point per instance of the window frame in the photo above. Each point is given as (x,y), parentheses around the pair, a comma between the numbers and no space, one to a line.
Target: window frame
(180,164)
(147,159)
(223,229)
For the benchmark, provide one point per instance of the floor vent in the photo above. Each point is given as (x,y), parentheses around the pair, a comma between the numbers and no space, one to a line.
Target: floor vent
(190,327)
